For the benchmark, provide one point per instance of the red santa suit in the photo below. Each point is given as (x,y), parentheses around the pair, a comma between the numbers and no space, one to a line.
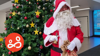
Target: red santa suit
(73,34)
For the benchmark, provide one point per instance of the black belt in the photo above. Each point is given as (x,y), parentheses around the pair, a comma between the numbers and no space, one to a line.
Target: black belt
(57,49)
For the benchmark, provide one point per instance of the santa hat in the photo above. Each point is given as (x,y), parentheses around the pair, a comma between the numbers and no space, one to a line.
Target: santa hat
(58,5)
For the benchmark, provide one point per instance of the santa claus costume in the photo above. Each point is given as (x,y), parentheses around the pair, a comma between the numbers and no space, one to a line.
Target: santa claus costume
(73,34)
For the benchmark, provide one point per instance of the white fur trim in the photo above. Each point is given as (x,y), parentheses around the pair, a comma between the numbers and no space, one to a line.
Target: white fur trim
(51,29)
(75,22)
(59,7)
(63,37)
(77,43)
(46,40)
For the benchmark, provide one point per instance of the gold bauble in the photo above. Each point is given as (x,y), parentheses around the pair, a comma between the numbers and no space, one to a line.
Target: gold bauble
(43,8)
(1,46)
(29,2)
(3,55)
(14,4)
(18,28)
(40,32)
(18,13)
(29,47)
(43,16)
(27,25)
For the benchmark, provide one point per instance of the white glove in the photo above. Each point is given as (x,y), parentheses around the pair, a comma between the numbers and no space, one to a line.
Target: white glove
(71,46)
(53,38)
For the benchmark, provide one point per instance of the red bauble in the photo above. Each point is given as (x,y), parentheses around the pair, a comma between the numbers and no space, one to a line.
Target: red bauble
(5,37)
(17,7)
(25,17)
(13,4)
(9,52)
(27,0)
(53,5)
(5,28)
(41,47)
(10,12)
(51,10)
(37,16)
(10,17)
(37,3)
(0,43)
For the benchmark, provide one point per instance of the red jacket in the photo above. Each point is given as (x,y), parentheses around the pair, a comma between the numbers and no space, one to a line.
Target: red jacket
(74,34)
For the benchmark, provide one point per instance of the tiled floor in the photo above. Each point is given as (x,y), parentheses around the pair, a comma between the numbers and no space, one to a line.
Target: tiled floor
(89,43)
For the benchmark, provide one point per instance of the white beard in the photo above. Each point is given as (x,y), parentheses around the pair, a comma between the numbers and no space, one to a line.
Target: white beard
(64,20)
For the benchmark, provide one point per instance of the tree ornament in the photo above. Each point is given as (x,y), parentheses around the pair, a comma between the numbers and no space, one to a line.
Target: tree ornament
(39,7)
(47,0)
(18,13)
(10,12)
(41,47)
(9,52)
(43,16)
(10,17)
(16,1)
(1,39)
(38,0)
(29,47)
(14,4)
(25,17)
(32,24)
(18,28)
(5,37)
(13,13)
(12,52)
(37,16)
(37,3)
(51,10)
(5,28)
(17,7)
(36,32)
(0,44)
(3,54)
(43,8)
(37,13)
(27,25)
(29,2)
(40,32)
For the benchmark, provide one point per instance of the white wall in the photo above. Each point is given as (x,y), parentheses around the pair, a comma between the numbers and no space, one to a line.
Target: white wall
(2,20)
(81,14)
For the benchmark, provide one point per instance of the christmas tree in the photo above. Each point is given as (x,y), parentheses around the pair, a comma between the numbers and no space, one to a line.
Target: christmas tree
(27,17)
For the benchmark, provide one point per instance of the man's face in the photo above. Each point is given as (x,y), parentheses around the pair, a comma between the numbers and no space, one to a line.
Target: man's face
(64,8)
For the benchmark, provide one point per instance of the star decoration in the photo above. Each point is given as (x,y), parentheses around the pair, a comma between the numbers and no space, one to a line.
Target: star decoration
(39,7)
(13,13)
(1,39)
(36,32)
(32,24)
(16,1)
(38,13)
(38,0)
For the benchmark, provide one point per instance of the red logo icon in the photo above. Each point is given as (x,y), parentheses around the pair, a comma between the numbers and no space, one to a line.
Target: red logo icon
(14,42)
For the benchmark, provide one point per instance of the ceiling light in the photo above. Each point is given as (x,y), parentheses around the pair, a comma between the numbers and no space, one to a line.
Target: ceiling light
(75,6)
(83,9)
(97,1)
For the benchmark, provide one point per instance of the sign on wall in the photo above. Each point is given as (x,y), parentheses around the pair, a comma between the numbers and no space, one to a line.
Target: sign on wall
(96,20)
